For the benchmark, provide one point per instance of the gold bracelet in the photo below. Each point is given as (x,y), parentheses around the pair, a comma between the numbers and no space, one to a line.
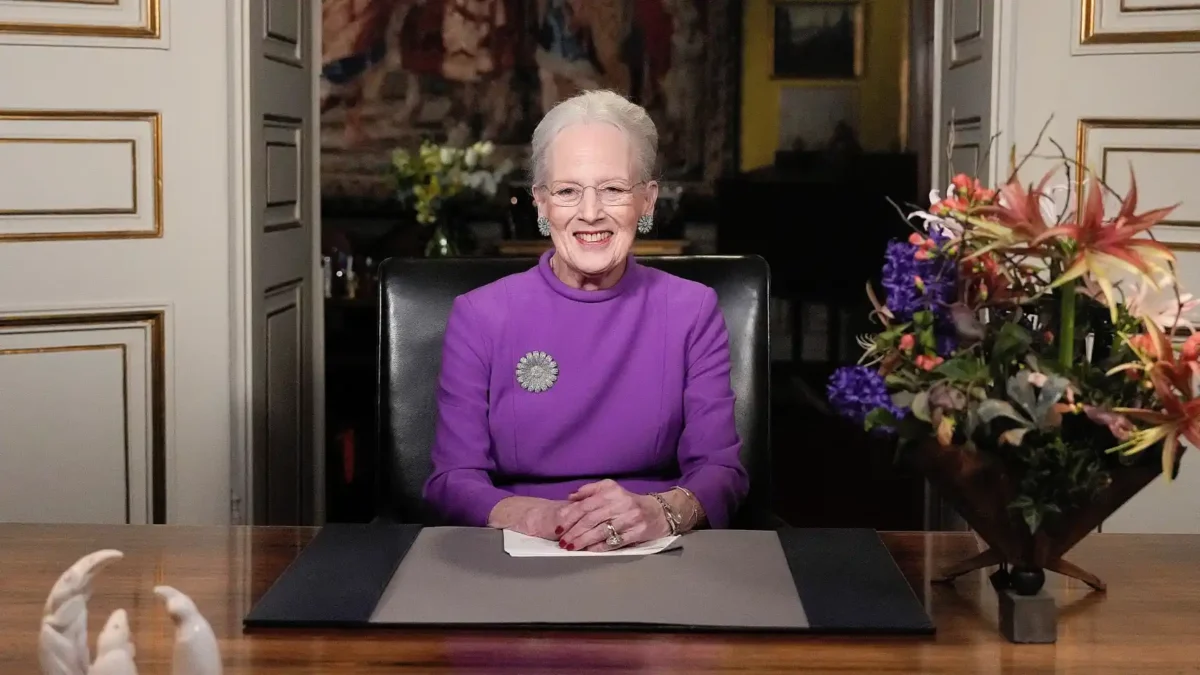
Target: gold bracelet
(673,519)
(694,520)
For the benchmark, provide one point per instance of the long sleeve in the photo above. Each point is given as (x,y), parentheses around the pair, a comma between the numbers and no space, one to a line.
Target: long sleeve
(709,443)
(460,487)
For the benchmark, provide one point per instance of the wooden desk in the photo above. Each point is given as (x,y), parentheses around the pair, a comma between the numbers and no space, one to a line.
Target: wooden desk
(1147,623)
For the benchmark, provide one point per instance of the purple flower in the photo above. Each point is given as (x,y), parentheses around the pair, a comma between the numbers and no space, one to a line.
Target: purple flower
(945,339)
(901,269)
(855,391)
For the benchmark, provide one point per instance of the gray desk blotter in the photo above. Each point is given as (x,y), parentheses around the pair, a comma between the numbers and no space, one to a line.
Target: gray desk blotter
(719,578)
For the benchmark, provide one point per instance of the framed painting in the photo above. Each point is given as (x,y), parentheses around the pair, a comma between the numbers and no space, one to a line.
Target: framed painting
(819,39)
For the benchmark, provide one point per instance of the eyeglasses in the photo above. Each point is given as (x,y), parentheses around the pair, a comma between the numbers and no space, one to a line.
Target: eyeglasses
(570,194)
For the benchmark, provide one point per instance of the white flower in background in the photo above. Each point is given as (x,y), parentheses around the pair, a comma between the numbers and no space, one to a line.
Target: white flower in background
(471,157)
(942,225)
(1166,310)
(447,155)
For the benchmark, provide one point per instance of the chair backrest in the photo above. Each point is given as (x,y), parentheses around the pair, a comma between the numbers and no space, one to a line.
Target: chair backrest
(415,297)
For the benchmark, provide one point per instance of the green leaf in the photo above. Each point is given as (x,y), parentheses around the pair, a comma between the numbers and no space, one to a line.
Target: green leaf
(926,339)
(1020,391)
(992,409)
(1021,502)
(920,406)
(1049,395)
(972,421)
(893,333)
(1011,341)
(903,399)
(1033,518)
(879,417)
(962,368)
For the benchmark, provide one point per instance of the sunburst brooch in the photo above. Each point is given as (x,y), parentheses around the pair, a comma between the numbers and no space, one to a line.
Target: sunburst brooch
(537,371)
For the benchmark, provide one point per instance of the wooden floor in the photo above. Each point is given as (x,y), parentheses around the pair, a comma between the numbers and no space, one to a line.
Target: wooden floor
(1148,622)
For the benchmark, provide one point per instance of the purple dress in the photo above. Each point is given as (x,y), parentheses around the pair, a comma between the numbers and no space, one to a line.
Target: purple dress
(642,394)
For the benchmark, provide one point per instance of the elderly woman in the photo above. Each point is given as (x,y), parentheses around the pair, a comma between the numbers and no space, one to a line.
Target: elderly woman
(588,399)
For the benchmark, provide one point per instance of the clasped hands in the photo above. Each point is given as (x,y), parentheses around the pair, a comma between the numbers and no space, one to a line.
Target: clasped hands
(579,524)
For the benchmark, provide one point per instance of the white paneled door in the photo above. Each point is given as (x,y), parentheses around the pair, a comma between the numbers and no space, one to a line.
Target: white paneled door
(279,116)
(156,225)
(964,115)
(1116,83)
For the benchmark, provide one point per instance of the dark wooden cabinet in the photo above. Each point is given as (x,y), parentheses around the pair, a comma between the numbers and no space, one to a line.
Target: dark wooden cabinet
(823,223)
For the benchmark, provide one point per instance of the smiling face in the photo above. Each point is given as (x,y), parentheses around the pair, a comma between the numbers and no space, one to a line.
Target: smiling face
(593,197)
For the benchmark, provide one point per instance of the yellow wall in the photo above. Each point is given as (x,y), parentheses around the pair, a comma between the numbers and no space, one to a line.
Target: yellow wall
(882,99)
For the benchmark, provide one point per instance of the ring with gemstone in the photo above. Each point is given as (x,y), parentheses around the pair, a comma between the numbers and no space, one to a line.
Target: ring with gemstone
(614,537)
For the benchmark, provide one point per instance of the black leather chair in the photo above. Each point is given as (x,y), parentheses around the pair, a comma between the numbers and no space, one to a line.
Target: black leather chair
(415,296)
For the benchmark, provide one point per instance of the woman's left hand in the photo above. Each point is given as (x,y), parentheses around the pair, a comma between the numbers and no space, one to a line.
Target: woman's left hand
(583,522)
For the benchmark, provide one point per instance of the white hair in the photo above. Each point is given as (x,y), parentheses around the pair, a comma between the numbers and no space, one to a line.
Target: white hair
(598,106)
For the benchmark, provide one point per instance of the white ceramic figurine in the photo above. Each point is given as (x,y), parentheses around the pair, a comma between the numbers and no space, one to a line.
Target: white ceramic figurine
(63,641)
(196,651)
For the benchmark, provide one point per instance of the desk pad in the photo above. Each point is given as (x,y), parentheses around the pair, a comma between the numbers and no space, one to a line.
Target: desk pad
(789,580)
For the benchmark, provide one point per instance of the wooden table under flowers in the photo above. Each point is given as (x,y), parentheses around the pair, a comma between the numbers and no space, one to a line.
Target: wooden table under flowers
(1033,387)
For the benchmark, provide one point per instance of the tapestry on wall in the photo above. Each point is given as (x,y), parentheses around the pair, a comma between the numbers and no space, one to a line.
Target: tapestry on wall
(397,71)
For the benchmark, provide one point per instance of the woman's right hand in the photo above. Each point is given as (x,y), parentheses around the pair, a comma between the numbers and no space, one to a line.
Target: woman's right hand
(531,516)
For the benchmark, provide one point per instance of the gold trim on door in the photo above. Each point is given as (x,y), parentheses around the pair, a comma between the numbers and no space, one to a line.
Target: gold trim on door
(1149,151)
(89,211)
(79,2)
(155,121)
(1085,126)
(124,397)
(156,321)
(1126,9)
(150,28)
(1089,35)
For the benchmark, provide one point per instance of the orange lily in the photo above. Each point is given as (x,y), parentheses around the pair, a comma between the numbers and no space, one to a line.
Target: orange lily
(1020,211)
(1178,418)
(1096,241)
(1157,354)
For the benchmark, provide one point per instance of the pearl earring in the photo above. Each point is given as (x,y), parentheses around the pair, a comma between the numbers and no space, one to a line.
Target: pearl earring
(645,223)
(543,224)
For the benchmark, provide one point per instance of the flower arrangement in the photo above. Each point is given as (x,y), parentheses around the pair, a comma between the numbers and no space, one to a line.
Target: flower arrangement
(441,174)
(1007,333)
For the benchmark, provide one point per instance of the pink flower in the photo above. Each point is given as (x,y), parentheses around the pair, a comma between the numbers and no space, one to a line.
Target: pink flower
(928,362)
(907,342)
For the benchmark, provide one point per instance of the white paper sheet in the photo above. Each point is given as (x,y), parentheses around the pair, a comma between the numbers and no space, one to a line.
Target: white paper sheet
(520,545)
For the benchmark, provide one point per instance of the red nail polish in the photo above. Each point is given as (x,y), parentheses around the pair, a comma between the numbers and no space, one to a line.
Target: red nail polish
(562,544)
(558,530)
(570,547)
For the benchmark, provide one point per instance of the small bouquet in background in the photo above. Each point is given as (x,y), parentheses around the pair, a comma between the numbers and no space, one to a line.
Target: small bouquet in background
(438,174)
(1041,336)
